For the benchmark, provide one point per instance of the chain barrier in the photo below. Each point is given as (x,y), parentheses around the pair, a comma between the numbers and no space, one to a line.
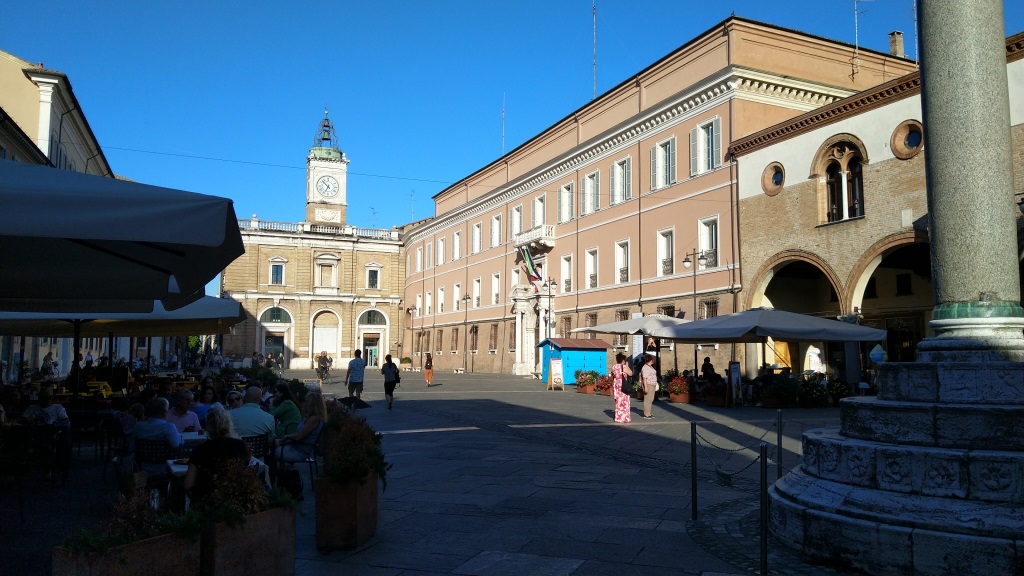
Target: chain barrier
(740,448)
(723,475)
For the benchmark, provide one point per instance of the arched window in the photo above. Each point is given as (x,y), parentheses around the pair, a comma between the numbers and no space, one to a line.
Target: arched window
(839,164)
(834,185)
(276,315)
(372,317)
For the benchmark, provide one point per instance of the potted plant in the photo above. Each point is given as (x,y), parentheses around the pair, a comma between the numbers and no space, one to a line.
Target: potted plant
(586,381)
(136,534)
(679,390)
(246,531)
(813,394)
(716,391)
(405,362)
(838,390)
(779,393)
(604,385)
(346,493)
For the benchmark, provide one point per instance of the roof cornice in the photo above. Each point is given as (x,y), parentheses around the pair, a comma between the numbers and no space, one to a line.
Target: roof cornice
(733,82)
(883,94)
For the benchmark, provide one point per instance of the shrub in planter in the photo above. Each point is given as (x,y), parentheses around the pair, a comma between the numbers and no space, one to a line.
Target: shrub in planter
(346,494)
(679,390)
(779,393)
(604,385)
(814,394)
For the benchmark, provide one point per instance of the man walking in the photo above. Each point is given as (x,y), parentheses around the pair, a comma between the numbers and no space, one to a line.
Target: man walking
(354,375)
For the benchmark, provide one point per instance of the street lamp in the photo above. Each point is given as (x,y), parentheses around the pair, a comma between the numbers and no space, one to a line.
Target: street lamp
(550,285)
(465,337)
(412,326)
(702,260)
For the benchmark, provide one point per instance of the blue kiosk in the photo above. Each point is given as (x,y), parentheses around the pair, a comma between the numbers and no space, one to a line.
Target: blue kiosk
(571,355)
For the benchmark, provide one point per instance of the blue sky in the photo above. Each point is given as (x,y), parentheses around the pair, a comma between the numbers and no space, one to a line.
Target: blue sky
(224,97)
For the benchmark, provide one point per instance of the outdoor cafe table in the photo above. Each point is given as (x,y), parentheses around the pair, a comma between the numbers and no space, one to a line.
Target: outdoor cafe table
(192,439)
(179,466)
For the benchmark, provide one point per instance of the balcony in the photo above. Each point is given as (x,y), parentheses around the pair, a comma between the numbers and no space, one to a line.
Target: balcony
(568,285)
(541,236)
(667,266)
(624,274)
(712,256)
(593,280)
(497,299)
(476,302)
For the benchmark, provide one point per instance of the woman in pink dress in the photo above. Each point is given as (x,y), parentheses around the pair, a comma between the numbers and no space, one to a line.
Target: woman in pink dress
(619,372)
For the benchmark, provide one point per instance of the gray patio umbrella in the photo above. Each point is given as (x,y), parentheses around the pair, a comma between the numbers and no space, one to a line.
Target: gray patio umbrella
(645,325)
(73,242)
(758,324)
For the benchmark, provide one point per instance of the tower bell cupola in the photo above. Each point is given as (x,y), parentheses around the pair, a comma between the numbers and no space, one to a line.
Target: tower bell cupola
(326,177)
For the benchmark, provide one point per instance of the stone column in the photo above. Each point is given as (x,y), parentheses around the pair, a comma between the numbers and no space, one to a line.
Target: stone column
(928,478)
(968,157)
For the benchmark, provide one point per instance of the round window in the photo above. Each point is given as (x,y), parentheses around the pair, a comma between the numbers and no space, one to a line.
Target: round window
(773,178)
(907,139)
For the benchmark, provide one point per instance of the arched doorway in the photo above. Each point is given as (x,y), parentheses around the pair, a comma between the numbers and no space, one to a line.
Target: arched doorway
(372,334)
(326,330)
(275,333)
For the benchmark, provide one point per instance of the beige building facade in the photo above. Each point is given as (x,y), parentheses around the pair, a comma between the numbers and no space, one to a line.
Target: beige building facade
(319,285)
(834,217)
(613,201)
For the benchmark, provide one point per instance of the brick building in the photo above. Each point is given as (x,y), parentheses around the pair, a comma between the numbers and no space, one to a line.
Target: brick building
(834,215)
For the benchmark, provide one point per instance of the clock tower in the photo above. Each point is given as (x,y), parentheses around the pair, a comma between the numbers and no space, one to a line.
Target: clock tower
(326,178)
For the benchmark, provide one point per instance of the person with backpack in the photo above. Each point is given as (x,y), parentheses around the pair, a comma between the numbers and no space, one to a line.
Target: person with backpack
(391,379)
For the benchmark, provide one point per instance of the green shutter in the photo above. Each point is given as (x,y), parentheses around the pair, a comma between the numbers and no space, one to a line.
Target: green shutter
(670,177)
(694,150)
(627,182)
(716,155)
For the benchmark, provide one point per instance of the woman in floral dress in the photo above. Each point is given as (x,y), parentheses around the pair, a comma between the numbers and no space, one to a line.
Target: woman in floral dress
(619,372)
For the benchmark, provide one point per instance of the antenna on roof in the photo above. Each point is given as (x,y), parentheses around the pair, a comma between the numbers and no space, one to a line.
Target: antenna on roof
(856,36)
(595,48)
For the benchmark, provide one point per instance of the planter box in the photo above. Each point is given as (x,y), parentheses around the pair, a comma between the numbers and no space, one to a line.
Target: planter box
(167,555)
(715,400)
(605,392)
(587,389)
(346,512)
(681,398)
(263,546)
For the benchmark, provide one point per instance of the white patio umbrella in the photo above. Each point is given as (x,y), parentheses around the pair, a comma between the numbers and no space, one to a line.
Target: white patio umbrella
(73,242)
(207,315)
(758,324)
(646,325)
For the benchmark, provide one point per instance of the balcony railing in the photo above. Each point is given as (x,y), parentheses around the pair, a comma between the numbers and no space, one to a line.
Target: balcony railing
(543,235)
(712,256)
(497,299)
(476,302)
(666,266)
(593,280)
(269,226)
(624,274)
(568,285)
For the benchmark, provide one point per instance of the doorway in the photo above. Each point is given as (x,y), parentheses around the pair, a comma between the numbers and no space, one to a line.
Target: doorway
(371,348)
(273,345)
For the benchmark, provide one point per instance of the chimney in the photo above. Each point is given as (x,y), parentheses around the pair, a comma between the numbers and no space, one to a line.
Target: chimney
(896,44)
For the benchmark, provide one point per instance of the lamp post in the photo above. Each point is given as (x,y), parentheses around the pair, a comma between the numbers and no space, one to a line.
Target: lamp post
(702,260)
(465,337)
(412,326)
(550,285)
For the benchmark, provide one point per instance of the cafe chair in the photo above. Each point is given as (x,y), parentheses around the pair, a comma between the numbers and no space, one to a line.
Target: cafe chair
(258,445)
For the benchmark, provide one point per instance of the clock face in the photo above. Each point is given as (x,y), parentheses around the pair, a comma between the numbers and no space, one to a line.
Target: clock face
(327,187)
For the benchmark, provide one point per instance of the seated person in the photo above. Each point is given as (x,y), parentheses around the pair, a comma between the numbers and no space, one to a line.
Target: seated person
(207,400)
(250,419)
(47,412)
(211,457)
(182,417)
(297,447)
(156,427)
(707,369)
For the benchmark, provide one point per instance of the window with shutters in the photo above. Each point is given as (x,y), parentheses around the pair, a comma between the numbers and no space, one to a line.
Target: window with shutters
(515,222)
(591,268)
(428,254)
(663,164)
(495,230)
(496,288)
(512,335)
(456,245)
(455,340)
(622,262)
(478,230)
(440,303)
(709,242)
(492,339)
(619,185)
(666,251)
(440,339)
(537,216)
(590,201)
(566,326)
(591,320)
(567,273)
(419,259)
(706,147)
(474,338)
(430,303)
(621,316)
(565,203)
(440,251)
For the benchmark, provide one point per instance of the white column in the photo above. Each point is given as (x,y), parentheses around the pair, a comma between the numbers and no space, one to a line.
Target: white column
(845,199)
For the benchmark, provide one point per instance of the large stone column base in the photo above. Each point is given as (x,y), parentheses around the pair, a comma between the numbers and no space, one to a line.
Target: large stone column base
(895,534)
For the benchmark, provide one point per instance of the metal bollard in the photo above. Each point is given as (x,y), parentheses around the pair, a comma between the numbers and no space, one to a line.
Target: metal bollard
(778,444)
(764,509)
(693,471)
